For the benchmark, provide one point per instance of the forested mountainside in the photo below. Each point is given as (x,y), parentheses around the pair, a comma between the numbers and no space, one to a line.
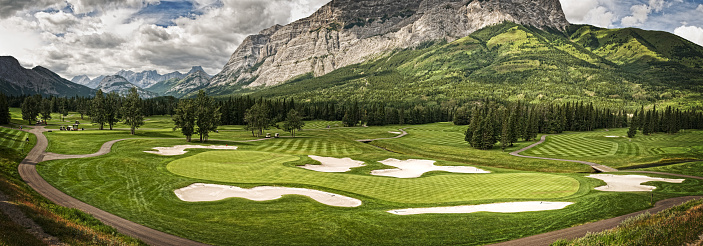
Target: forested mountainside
(623,67)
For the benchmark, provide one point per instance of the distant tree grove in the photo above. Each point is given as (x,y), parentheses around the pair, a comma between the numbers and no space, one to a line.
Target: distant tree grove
(490,123)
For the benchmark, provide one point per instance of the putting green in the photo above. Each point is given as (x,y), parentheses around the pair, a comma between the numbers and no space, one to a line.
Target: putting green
(252,167)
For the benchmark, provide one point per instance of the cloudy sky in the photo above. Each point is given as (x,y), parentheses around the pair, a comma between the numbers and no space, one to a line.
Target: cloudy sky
(99,37)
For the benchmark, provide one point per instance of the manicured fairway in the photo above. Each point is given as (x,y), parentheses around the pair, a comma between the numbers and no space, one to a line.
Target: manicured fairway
(260,167)
(15,139)
(140,187)
(445,141)
(620,151)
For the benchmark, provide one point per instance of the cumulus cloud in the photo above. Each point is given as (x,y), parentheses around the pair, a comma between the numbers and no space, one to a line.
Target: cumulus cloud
(700,7)
(588,12)
(114,36)
(9,8)
(640,13)
(692,33)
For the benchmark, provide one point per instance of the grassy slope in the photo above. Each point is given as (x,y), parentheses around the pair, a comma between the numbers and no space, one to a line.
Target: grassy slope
(71,226)
(681,225)
(621,152)
(138,186)
(511,62)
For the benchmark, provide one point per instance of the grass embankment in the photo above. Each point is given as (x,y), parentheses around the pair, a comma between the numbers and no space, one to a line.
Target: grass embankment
(689,168)
(71,226)
(445,141)
(618,151)
(139,186)
(681,225)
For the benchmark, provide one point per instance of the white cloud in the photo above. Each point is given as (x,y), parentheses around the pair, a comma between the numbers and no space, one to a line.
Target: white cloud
(692,33)
(700,7)
(640,13)
(113,37)
(588,12)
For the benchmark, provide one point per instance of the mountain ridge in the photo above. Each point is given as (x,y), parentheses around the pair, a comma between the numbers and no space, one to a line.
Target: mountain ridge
(17,80)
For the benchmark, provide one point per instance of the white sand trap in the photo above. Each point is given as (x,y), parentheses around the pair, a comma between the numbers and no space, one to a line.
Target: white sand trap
(415,168)
(180,149)
(199,192)
(612,136)
(333,165)
(624,183)
(508,207)
(395,132)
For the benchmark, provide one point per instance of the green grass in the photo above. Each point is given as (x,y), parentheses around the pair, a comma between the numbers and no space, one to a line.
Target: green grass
(689,168)
(70,226)
(681,225)
(259,167)
(621,152)
(445,141)
(15,140)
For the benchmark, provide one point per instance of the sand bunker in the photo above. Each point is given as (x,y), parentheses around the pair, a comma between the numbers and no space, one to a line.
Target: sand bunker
(333,165)
(415,168)
(629,182)
(395,132)
(612,136)
(508,207)
(211,192)
(180,149)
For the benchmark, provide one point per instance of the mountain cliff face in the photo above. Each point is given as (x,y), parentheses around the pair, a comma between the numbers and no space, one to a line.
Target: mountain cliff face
(121,86)
(346,32)
(146,79)
(17,80)
(195,80)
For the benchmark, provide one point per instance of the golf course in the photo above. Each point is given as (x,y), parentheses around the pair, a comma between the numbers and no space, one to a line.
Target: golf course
(135,182)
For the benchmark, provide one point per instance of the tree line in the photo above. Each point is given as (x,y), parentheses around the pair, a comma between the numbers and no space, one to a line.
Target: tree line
(490,123)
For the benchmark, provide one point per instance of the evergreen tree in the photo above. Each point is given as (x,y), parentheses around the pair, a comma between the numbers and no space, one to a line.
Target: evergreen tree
(505,132)
(184,118)
(512,134)
(257,118)
(293,122)
(473,126)
(112,109)
(63,109)
(29,112)
(462,117)
(98,111)
(132,110)
(208,115)
(45,110)
(4,110)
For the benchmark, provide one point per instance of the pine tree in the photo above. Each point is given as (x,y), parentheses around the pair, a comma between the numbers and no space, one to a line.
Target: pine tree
(45,110)
(208,115)
(63,109)
(132,110)
(505,131)
(293,122)
(257,118)
(98,111)
(28,112)
(184,118)
(4,110)
(112,109)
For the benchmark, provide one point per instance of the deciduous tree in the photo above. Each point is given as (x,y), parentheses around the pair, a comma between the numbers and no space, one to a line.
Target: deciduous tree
(132,110)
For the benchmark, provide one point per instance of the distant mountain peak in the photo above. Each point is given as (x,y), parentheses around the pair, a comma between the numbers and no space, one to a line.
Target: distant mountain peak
(17,80)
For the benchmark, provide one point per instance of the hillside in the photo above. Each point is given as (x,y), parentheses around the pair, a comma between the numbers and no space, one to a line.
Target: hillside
(121,86)
(17,80)
(513,62)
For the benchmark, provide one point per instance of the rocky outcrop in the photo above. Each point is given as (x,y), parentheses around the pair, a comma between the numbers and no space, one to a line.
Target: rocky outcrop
(146,79)
(121,86)
(195,80)
(346,32)
(17,80)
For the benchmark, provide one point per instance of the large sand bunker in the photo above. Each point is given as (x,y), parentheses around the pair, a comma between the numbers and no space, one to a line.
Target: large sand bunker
(508,207)
(180,149)
(199,192)
(624,183)
(333,165)
(415,168)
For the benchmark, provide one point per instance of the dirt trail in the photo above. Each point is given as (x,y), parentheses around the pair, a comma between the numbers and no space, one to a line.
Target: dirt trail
(28,172)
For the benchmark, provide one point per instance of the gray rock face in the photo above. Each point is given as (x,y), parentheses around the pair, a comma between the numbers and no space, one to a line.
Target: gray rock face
(196,80)
(81,80)
(345,32)
(17,80)
(121,86)
(146,79)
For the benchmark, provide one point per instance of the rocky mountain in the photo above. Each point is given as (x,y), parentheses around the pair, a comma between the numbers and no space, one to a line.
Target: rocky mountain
(146,79)
(17,80)
(346,32)
(195,80)
(121,86)
(86,81)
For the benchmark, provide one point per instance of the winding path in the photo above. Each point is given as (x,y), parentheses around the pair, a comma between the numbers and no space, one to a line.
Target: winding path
(580,231)
(28,172)
(596,166)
